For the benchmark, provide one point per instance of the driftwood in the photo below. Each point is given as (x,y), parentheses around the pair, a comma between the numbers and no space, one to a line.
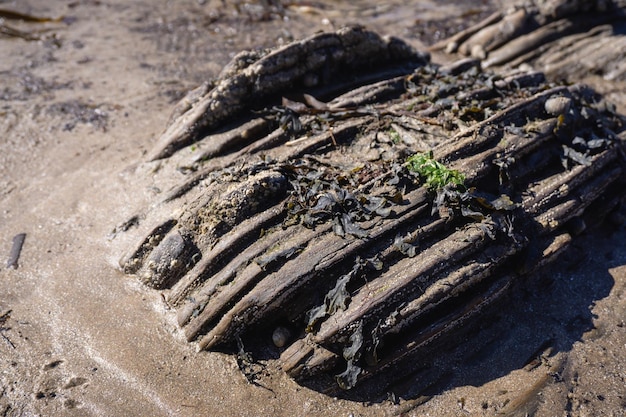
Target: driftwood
(16,250)
(252,76)
(315,218)
(567,40)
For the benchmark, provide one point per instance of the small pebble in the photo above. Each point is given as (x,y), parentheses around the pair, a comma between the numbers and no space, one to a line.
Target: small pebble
(281,336)
(557,105)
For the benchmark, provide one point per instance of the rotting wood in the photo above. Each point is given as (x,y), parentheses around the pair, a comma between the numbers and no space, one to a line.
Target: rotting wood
(565,39)
(304,204)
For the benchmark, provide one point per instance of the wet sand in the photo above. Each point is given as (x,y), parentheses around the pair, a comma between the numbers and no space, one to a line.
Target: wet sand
(81,107)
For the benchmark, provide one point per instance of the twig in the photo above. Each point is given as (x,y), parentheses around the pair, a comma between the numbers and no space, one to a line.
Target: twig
(3,318)
(14,256)
(7,339)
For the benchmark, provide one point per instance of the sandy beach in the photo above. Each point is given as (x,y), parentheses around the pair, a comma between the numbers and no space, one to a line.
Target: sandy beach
(81,106)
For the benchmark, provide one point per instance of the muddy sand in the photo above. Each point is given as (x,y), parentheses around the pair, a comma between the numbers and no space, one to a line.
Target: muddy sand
(82,104)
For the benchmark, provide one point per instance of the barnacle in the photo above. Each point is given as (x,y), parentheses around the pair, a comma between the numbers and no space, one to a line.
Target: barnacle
(367,262)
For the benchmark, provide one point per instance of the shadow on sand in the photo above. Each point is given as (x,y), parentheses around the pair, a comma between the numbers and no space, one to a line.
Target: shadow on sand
(548,312)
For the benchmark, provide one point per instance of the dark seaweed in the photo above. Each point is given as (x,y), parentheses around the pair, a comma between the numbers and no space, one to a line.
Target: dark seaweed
(247,365)
(351,353)
(315,201)
(338,298)
(404,247)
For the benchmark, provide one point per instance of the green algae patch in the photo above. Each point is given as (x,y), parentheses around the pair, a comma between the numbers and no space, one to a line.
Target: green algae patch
(433,173)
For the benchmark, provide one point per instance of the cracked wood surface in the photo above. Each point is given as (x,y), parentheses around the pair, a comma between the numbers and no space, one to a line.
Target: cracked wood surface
(299,193)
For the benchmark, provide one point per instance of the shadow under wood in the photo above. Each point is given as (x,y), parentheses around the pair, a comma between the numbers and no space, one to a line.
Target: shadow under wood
(551,308)
(548,310)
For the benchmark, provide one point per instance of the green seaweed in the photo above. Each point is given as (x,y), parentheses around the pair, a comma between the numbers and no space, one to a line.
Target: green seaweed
(433,173)
(395,136)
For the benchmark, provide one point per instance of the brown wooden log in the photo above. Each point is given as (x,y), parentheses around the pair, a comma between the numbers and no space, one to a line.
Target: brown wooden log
(330,231)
